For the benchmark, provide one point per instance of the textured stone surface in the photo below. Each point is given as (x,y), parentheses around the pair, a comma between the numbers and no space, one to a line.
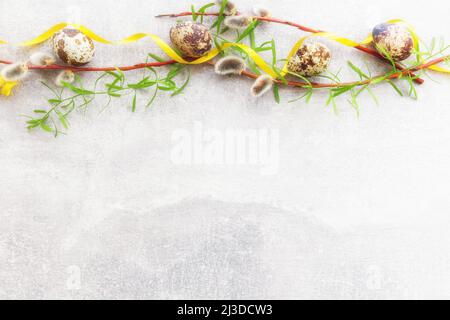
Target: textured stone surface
(358,208)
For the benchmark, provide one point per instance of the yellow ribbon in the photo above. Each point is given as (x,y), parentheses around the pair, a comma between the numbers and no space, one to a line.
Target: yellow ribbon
(439,69)
(6,87)
(163,45)
(212,54)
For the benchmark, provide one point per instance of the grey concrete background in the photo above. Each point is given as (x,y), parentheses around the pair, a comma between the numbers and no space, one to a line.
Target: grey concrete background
(359,208)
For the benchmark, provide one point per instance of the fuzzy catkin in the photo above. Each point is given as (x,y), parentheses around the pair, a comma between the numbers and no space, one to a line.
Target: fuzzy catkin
(42,59)
(14,72)
(238,22)
(65,76)
(262,12)
(261,86)
(230,65)
(230,7)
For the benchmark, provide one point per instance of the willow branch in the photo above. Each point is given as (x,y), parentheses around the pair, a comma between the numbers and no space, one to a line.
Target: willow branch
(364,49)
(315,85)
(246,73)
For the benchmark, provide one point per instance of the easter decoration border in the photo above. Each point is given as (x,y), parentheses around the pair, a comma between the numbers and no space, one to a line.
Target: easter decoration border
(395,42)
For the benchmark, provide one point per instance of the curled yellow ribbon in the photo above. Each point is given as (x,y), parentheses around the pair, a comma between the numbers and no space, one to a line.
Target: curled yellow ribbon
(6,87)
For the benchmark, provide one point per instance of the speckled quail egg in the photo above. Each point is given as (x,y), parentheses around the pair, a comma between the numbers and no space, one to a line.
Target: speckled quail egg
(193,39)
(73,47)
(311,60)
(393,39)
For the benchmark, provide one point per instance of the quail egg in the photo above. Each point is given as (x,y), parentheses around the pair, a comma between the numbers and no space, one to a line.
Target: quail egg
(73,47)
(311,60)
(393,40)
(193,39)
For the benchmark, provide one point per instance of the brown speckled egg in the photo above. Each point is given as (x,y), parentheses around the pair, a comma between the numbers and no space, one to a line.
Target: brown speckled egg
(311,60)
(73,47)
(394,39)
(192,39)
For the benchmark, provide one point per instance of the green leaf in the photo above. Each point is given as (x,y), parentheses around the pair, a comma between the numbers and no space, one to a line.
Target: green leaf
(374,97)
(218,23)
(144,83)
(113,87)
(274,53)
(46,127)
(76,90)
(331,100)
(194,16)
(54,101)
(248,30)
(309,94)
(153,98)
(358,71)
(51,89)
(175,70)
(354,103)
(306,80)
(397,89)
(34,122)
(276,93)
(117,75)
(387,56)
(203,10)
(156,57)
(412,90)
(339,91)
(133,105)
(62,119)
(180,89)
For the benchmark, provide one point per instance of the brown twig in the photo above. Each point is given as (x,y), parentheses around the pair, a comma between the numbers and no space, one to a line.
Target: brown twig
(364,49)
(104,69)
(187,14)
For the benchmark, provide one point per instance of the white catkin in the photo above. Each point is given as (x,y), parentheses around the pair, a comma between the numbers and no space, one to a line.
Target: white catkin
(230,65)
(65,76)
(42,59)
(238,22)
(261,86)
(261,11)
(230,8)
(14,72)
